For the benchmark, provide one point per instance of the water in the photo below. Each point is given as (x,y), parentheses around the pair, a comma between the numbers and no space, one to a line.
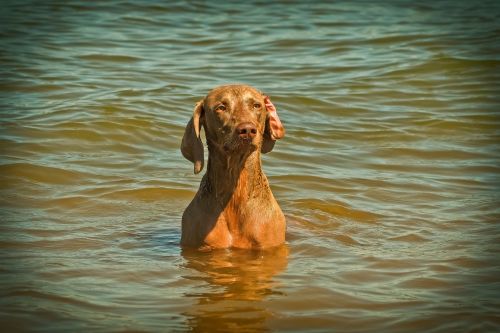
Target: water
(388,174)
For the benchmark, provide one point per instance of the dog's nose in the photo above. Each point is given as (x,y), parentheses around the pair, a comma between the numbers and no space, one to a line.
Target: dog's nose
(246,131)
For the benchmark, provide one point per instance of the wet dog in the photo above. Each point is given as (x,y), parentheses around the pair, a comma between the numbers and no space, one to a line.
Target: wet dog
(234,205)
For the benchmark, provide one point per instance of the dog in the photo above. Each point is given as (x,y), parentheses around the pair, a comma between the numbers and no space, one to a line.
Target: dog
(234,206)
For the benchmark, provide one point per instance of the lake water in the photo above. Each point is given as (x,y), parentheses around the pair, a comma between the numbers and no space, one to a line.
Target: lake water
(389,174)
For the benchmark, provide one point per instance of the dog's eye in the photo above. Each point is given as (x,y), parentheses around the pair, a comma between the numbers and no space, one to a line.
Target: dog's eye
(257,106)
(220,107)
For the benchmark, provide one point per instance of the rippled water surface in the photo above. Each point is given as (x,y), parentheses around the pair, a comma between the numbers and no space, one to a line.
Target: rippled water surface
(388,174)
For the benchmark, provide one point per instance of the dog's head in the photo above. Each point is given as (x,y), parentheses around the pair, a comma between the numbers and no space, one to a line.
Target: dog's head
(236,119)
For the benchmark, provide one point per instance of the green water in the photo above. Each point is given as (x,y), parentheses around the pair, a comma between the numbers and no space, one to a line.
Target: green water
(388,174)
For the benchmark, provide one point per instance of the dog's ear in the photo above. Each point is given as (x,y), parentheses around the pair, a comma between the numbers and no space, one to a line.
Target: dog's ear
(274,128)
(192,146)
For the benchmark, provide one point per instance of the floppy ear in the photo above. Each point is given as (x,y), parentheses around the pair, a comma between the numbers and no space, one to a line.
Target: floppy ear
(274,128)
(191,146)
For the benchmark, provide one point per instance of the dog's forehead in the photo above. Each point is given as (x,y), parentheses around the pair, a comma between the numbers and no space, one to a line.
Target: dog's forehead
(231,92)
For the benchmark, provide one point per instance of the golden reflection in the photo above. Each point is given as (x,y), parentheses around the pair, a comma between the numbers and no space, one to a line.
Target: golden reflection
(237,283)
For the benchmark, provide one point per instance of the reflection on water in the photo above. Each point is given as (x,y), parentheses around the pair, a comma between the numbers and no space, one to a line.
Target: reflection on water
(238,283)
(389,175)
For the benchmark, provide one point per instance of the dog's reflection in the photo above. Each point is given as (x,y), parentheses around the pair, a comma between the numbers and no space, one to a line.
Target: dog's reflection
(237,283)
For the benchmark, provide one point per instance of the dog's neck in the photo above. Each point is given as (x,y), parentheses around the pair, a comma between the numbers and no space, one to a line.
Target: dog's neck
(235,176)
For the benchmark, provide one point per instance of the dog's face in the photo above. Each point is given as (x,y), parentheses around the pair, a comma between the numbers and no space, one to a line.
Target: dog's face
(237,119)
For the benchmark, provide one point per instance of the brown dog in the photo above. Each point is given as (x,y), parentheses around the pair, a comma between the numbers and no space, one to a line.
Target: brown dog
(234,206)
